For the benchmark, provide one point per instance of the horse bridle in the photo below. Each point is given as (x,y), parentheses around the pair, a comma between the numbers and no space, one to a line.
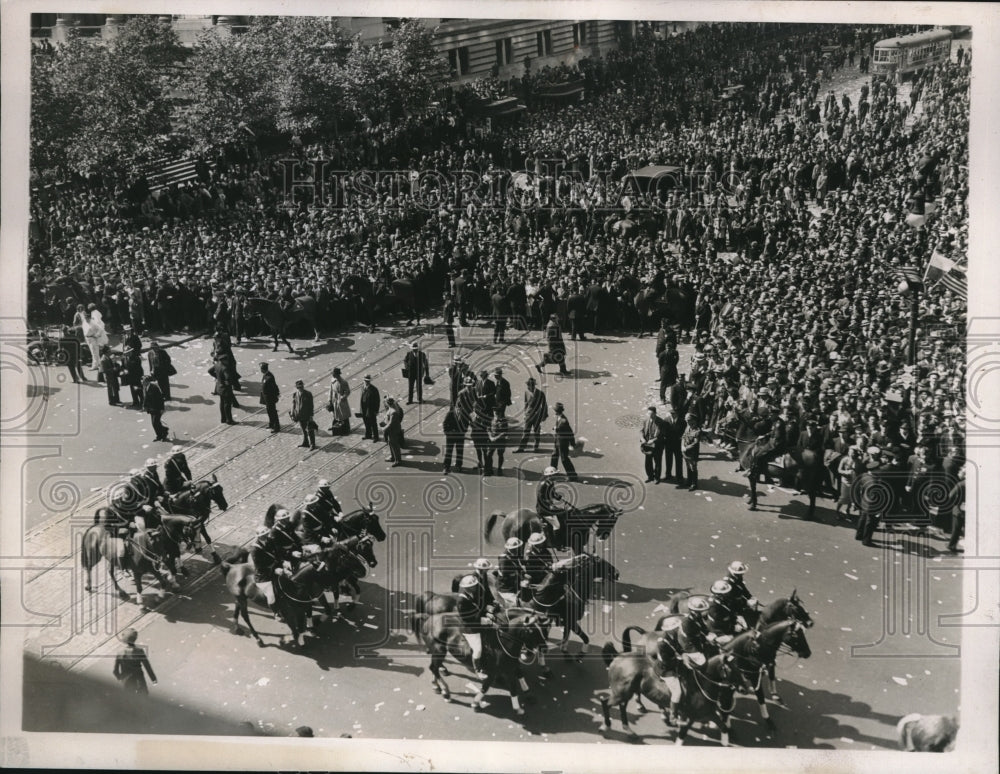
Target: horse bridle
(716,702)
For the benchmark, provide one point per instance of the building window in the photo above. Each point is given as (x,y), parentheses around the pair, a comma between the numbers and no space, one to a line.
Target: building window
(544,40)
(579,34)
(505,52)
(458,60)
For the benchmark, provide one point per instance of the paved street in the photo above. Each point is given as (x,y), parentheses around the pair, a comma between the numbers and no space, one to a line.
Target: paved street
(364,674)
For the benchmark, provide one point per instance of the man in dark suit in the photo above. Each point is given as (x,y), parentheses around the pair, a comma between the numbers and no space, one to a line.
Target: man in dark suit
(130,663)
(152,404)
(176,472)
(679,395)
(557,347)
(269,395)
(667,360)
(595,304)
(449,318)
(457,372)
(576,310)
(651,442)
(416,367)
(564,439)
(160,367)
(501,396)
(498,306)
(70,345)
(454,435)
(370,403)
(672,430)
(460,286)
(224,389)
(302,412)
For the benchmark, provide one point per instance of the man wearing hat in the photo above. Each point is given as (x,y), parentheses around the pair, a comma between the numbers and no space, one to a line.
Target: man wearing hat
(691,449)
(130,663)
(337,403)
(302,412)
(448,314)
(564,439)
(511,570)
(328,501)
(454,428)
(457,372)
(471,612)
(152,487)
(871,500)
(536,411)
(153,404)
(497,434)
(160,367)
(392,428)
(176,473)
(371,401)
(416,370)
(269,396)
(502,395)
(266,558)
(499,307)
(538,558)
(557,347)
(651,444)
(466,402)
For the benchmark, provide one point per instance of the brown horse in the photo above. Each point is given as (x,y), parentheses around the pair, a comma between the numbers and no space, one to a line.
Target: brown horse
(278,320)
(597,520)
(140,554)
(441,634)
(707,694)
(197,500)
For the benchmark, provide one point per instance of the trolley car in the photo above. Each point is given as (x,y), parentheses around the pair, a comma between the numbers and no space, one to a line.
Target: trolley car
(897,58)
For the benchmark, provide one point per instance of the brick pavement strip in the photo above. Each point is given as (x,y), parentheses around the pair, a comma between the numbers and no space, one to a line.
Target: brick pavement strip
(82,625)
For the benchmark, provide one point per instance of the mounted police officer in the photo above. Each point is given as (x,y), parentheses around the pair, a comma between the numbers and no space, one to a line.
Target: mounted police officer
(550,504)
(471,611)
(176,473)
(538,558)
(511,570)
(721,617)
(152,487)
(741,599)
(267,563)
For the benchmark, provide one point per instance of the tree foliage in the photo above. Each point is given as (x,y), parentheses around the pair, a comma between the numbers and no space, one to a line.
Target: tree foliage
(118,105)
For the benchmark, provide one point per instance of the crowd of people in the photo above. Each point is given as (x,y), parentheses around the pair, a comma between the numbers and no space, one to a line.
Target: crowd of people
(795,211)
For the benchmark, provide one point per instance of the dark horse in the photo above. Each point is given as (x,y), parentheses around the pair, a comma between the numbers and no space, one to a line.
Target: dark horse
(197,501)
(707,693)
(756,617)
(441,634)
(564,593)
(369,300)
(294,596)
(142,554)
(675,304)
(598,519)
(278,320)
(756,650)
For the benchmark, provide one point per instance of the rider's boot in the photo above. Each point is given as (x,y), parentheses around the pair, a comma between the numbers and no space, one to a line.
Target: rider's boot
(477,667)
(675,714)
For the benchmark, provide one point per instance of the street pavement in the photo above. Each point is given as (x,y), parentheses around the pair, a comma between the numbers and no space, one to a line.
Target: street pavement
(879,649)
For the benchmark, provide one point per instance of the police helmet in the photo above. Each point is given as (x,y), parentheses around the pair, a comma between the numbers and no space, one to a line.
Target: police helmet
(536,539)
(468,582)
(738,568)
(513,543)
(549,471)
(721,588)
(282,515)
(482,563)
(697,604)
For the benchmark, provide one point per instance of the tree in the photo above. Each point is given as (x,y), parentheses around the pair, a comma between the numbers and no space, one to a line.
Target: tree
(106,109)
(229,95)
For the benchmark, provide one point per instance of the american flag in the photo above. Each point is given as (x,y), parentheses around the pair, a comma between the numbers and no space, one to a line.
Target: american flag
(948,273)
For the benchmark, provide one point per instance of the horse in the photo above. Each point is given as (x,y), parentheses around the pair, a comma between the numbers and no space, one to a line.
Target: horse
(346,562)
(755,651)
(755,616)
(564,593)
(294,597)
(809,471)
(197,501)
(441,634)
(927,733)
(598,519)
(371,299)
(139,553)
(675,304)
(707,693)
(278,319)
(363,520)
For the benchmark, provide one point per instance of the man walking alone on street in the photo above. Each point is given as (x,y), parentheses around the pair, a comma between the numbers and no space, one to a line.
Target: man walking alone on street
(269,395)
(564,439)
(302,412)
(130,663)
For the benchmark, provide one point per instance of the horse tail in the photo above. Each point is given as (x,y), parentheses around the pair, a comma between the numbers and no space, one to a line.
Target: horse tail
(627,637)
(609,653)
(416,621)
(490,522)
